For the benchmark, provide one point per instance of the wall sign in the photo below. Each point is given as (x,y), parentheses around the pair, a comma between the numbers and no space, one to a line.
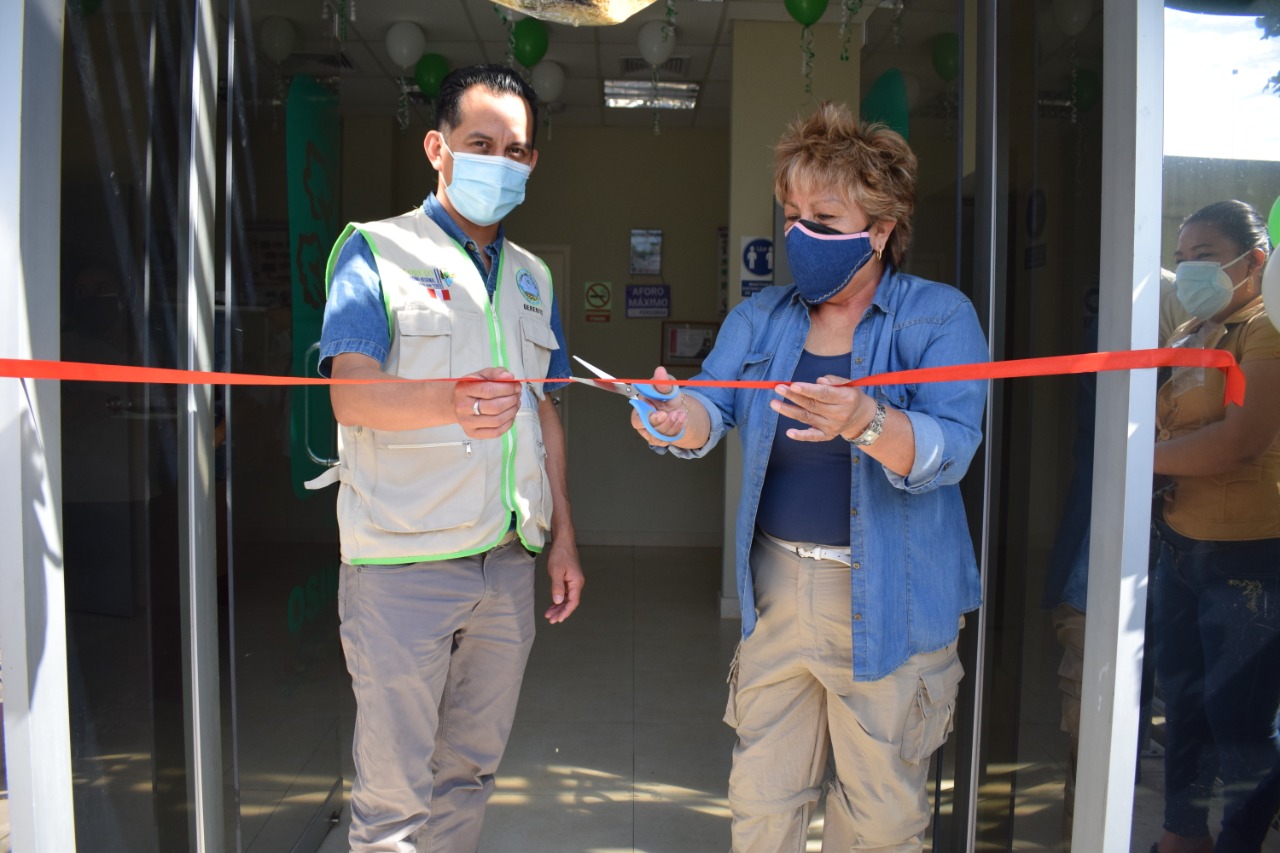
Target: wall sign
(648,300)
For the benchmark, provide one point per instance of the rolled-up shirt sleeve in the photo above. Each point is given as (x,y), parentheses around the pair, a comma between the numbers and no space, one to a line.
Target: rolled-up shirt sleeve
(355,315)
(946,417)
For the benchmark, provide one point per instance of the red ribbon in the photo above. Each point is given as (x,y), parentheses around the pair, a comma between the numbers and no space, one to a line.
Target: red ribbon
(1094,362)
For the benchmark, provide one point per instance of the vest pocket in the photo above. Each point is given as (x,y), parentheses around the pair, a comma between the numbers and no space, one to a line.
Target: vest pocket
(537,342)
(424,346)
(533,487)
(426,482)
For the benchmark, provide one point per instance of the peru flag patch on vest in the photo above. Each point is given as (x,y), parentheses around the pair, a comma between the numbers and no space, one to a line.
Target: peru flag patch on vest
(436,281)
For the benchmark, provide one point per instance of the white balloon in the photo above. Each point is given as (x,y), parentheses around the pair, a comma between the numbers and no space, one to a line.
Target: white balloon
(1271,289)
(277,37)
(405,43)
(1072,16)
(653,46)
(548,80)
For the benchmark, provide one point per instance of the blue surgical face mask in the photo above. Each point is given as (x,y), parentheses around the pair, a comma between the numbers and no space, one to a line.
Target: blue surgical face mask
(1204,288)
(825,261)
(486,187)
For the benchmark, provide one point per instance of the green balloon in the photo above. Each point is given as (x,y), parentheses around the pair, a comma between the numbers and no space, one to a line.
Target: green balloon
(530,37)
(807,12)
(430,72)
(946,55)
(886,101)
(1273,223)
(1088,90)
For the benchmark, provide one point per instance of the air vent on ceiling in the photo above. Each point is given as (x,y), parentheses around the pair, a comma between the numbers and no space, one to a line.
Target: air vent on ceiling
(635,66)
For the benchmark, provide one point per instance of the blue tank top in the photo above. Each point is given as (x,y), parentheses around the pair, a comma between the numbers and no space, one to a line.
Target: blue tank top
(807,483)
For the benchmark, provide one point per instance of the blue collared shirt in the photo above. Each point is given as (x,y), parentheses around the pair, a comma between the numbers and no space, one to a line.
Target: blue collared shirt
(914,573)
(355,317)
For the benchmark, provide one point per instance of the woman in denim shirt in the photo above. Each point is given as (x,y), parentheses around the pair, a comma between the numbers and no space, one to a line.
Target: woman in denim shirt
(855,564)
(1216,583)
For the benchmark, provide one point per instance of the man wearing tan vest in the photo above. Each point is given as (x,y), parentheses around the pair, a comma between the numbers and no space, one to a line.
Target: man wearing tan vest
(447,489)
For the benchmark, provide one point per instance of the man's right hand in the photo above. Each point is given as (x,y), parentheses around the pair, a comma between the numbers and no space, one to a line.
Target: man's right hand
(485,404)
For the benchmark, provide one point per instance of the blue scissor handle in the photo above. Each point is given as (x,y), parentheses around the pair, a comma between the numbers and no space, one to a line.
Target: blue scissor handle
(653,393)
(645,408)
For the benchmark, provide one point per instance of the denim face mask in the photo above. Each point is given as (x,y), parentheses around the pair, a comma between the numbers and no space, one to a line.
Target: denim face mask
(1204,288)
(486,187)
(825,261)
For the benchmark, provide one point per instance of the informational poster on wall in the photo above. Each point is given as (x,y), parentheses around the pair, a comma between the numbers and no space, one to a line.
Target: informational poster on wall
(648,300)
(756,267)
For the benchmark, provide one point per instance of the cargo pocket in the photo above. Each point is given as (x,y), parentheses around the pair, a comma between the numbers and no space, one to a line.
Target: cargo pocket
(409,493)
(537,342)
(731,706)
(932,713)
(534,487)
(426,347)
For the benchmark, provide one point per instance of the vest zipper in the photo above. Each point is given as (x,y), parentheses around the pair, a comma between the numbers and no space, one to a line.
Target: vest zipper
(466,445)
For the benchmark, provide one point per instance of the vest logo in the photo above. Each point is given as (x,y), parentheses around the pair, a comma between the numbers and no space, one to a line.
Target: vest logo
(528,287)
(436,281)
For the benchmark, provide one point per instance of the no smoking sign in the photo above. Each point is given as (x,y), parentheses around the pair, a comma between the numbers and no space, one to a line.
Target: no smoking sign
(597,301)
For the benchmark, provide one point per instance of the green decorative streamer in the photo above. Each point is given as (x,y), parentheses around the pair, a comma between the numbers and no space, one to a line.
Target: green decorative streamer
(806,65)
(343,14)
(511,33)
(851,8)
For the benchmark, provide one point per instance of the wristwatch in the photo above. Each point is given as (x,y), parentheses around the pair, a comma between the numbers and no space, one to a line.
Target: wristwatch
(872,432)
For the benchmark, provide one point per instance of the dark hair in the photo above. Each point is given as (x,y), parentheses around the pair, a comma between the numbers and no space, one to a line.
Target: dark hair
(1236,221)
(500,79)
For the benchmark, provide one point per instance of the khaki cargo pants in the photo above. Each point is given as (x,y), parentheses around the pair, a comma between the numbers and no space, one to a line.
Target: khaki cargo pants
(793,700)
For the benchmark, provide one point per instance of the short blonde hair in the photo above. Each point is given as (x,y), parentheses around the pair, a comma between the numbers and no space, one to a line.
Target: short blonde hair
(872,165)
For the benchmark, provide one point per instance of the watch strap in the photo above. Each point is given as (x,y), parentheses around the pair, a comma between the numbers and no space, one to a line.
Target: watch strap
(873,430)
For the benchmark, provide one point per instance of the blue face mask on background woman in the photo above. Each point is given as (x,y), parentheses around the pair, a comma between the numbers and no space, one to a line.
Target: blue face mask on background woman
(823,260)
(1204,288)
(486,187)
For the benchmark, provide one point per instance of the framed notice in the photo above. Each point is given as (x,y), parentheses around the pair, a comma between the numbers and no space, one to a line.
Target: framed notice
(646,251)
(687,344)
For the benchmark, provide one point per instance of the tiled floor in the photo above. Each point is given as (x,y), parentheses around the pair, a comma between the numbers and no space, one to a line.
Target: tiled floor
(618,743)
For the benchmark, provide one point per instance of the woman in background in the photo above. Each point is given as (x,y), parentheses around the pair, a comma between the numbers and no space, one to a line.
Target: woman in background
(1216,584)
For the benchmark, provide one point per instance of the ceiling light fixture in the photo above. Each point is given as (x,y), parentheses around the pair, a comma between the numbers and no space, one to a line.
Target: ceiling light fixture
(642,94)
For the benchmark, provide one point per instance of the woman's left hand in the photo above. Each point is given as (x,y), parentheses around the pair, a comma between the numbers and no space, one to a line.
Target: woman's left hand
(829,407)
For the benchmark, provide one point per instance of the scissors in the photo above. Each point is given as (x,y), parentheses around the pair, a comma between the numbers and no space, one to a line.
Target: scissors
(640,394)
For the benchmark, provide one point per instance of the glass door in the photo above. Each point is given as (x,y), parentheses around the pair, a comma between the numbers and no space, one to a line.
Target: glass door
(1044,133)
(288,686)
(185,522)
(123,219)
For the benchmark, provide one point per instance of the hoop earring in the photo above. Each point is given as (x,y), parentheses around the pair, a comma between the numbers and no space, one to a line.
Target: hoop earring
(878,252)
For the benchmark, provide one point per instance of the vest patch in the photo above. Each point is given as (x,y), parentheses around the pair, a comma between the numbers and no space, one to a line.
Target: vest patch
(528,288)
(436,281)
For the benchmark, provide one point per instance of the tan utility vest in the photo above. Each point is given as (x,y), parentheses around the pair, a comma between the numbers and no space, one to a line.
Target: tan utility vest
(435,493)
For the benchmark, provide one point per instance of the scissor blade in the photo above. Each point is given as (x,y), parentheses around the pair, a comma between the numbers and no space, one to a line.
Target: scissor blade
(616,387)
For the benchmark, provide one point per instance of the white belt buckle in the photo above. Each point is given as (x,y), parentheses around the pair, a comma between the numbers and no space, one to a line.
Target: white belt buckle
(819,553)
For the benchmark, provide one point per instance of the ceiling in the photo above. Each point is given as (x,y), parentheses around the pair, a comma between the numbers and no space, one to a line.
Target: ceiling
(895,33)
